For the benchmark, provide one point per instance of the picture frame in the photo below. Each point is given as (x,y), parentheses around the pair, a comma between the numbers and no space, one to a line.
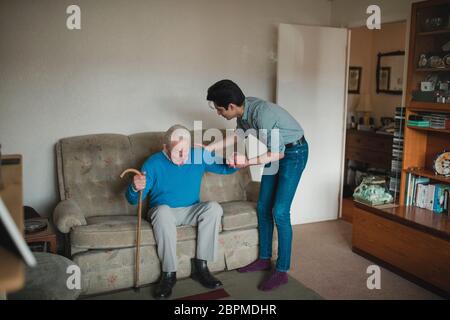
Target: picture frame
(385,79)
(354,80)
(388,70)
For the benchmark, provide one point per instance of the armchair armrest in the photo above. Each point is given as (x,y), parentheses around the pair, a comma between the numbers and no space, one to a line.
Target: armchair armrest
(252,190)
(67,215)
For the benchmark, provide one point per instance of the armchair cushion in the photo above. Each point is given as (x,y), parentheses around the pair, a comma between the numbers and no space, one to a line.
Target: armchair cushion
(239,215)
(109,232)
(252,190)
(67,215)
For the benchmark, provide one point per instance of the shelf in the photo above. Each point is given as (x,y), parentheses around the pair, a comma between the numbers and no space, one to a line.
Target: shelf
(428,174)
(429,106)
(432,69)
(435,32)
(418,218)
(429,129)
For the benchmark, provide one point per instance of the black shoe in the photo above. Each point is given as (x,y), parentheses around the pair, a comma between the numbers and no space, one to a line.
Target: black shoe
(164,287)
(200,273)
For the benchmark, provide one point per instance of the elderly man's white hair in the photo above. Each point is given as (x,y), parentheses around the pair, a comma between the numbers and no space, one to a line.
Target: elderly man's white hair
(176,133)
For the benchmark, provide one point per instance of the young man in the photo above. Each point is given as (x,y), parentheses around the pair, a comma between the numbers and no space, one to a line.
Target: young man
(288,148)
(172,180)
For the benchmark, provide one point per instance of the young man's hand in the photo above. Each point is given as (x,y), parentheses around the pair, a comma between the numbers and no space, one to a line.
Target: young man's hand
(208,148)
(200,145)
(139,182)
(238,161)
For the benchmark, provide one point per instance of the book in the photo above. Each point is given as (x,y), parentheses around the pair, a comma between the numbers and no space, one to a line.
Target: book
(422,124)
(407,189)
(421,195)
(411,190)
(430,197)
(436,198)
(417,182)
(438,205)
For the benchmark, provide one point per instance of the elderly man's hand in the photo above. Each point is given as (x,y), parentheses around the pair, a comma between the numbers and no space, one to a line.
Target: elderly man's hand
(139,182)
(237,160)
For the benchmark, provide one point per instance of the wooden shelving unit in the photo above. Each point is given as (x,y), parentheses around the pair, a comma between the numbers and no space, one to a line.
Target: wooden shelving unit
(428,174)
(421,145)
(428,106)
(429,129)
(412,241)
(432,69)
(434,33)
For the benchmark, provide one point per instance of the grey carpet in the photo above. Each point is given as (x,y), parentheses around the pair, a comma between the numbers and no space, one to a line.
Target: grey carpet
(240,286)
(323,260)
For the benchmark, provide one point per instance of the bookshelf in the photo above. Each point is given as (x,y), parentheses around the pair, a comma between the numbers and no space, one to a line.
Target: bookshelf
(422,144)
(416,106)
(429,129)
(412,241)
(428,174)
(432,69)
(433,33)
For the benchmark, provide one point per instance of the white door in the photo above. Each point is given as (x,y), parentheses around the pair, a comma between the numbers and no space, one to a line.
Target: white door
(311,85)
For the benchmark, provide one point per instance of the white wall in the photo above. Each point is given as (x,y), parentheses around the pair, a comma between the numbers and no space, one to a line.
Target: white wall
(352,13)
(135,66)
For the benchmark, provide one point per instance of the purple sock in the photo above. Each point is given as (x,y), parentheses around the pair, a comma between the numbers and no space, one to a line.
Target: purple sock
(258,265)
(276,279)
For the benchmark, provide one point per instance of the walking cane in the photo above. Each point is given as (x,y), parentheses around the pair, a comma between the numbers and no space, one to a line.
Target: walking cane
(138,231)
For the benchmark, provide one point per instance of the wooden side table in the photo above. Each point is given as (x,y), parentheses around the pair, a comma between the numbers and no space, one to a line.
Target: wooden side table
(47,235)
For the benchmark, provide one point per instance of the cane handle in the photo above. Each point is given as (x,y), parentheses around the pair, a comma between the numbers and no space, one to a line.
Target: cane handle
(130,170)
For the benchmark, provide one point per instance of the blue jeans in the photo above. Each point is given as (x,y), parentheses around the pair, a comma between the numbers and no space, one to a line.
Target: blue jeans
(274,204)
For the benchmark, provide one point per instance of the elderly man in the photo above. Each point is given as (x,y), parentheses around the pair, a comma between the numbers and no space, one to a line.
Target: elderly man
(172,179)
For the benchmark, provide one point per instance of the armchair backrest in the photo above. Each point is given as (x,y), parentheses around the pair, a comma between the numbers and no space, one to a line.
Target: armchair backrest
(89,167)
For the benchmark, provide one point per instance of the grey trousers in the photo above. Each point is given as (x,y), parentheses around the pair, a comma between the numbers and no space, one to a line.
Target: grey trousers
(205,215)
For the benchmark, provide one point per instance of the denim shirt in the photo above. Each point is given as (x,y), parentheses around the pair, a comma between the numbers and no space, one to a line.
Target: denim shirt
(260,114)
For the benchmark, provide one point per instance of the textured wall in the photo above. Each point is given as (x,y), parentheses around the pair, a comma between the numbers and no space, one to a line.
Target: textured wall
(134,66)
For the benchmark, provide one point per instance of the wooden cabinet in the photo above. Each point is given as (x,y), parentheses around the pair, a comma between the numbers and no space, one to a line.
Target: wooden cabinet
(410,242)
(369,147)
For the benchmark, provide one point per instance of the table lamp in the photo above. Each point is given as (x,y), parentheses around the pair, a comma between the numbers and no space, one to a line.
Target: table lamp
(365,106)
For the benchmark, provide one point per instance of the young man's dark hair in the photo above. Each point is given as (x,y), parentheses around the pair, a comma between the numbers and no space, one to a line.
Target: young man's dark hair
(224,92)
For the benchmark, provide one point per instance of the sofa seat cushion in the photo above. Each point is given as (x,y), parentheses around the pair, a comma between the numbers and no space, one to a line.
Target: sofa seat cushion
(239,215)
(109,232)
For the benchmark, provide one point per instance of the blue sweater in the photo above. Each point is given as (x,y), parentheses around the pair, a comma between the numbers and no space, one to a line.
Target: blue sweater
(176,186)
